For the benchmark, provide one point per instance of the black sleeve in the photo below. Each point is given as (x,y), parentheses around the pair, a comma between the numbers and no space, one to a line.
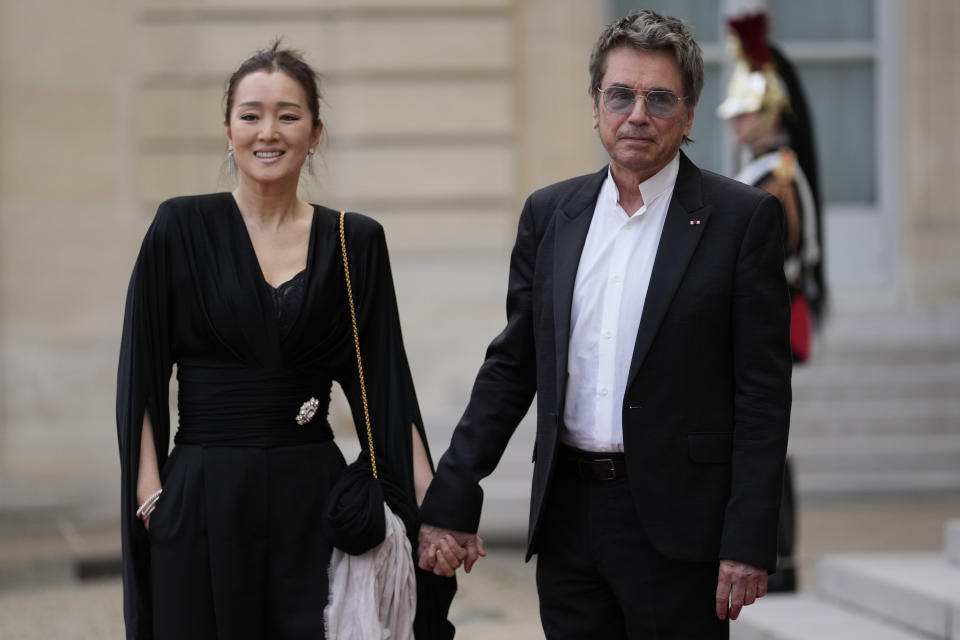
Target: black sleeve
(762,370)
(143,378)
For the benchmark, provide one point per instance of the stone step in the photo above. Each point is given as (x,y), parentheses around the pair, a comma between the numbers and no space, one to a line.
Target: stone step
(890,415)
(807,617)
(824,383)
(879,484)
(867,391)
(880,364)
(951,545)
(803,426)
(816,454)
(896,353)
(920,591)
(917,327)
(853,408)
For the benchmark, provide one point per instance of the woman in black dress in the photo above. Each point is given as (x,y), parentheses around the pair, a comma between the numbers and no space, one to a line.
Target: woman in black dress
(245,293)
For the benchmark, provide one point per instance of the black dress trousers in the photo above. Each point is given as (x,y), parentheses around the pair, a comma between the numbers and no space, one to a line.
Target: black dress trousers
(598,576)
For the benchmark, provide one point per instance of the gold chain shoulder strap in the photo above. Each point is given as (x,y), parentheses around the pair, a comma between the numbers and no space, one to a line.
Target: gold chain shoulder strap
(356,344)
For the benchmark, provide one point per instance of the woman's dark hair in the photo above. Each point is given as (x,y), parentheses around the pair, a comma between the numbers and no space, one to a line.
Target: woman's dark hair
(274,59)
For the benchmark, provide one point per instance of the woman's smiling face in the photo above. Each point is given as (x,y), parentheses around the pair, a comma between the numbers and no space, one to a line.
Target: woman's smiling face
(270,127)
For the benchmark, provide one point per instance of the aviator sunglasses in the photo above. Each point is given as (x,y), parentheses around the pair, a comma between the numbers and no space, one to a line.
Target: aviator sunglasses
(660,103)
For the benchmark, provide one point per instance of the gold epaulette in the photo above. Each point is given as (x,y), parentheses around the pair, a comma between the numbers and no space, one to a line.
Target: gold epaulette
(787,169)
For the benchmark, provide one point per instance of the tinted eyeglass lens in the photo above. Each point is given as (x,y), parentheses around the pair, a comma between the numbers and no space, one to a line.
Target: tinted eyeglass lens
(619,100)
(662,104)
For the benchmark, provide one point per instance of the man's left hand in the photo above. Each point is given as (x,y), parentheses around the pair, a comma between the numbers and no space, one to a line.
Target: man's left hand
(738,585)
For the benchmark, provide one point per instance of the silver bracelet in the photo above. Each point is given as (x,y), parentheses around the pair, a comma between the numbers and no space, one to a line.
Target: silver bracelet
(144,511)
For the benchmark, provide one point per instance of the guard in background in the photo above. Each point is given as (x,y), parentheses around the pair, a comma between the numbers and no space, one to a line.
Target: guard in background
(770,119)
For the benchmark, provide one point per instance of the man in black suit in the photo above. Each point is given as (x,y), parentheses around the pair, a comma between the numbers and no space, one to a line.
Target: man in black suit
(647,311)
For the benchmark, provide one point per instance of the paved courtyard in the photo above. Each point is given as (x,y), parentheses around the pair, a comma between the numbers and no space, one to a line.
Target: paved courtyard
(40,598)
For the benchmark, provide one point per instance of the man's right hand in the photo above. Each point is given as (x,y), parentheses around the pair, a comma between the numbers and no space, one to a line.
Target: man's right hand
(443,550)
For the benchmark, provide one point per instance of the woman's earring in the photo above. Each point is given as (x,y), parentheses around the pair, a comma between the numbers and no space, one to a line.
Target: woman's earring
(231,161)
(310,153)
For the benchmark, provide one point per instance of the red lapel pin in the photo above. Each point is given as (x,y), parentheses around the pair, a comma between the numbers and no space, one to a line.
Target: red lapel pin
(693,222)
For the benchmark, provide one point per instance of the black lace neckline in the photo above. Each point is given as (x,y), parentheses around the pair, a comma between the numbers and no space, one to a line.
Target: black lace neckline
(287,298)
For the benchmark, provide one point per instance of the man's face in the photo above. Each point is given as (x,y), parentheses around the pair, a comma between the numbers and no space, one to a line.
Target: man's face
(636,141)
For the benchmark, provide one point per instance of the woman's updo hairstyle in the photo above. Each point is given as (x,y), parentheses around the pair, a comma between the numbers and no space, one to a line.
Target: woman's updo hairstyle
(275,59)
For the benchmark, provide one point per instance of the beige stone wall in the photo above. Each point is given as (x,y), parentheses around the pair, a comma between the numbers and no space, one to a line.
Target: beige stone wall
(68,233)
(930,84)
(556,139)
(440,116)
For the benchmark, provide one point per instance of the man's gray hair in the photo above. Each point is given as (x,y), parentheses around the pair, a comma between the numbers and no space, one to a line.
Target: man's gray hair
(648,30)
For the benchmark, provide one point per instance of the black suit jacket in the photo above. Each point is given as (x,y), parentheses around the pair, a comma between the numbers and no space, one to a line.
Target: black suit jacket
(707,404)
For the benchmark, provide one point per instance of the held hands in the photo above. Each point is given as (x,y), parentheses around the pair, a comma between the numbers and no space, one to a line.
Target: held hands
(442,551)
(738,585)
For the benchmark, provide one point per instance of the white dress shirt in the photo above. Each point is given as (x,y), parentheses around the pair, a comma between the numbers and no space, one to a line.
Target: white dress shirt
(608,296)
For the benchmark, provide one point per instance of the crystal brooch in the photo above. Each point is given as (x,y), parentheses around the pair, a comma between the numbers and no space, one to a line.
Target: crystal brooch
(307,410)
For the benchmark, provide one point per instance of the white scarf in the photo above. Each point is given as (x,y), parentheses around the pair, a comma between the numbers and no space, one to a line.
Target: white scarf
(373,596)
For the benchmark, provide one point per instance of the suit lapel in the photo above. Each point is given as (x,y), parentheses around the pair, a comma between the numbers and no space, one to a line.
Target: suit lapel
(686,220)
(572,221)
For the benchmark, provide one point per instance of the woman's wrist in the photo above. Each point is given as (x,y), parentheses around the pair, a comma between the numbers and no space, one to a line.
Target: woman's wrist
(148,505)
(145,489)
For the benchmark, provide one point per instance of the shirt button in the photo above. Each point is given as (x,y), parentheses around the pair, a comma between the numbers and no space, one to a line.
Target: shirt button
(608,334)
(615,278)
(603,391)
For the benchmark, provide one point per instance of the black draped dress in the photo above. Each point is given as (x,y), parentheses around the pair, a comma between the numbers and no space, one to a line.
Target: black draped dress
(235,548)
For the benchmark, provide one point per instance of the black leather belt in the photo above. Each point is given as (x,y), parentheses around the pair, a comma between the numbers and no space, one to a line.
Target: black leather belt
(602,466)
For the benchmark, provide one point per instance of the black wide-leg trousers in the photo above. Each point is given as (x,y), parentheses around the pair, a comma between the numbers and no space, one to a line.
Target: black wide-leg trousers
(236,549)
(598,576)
